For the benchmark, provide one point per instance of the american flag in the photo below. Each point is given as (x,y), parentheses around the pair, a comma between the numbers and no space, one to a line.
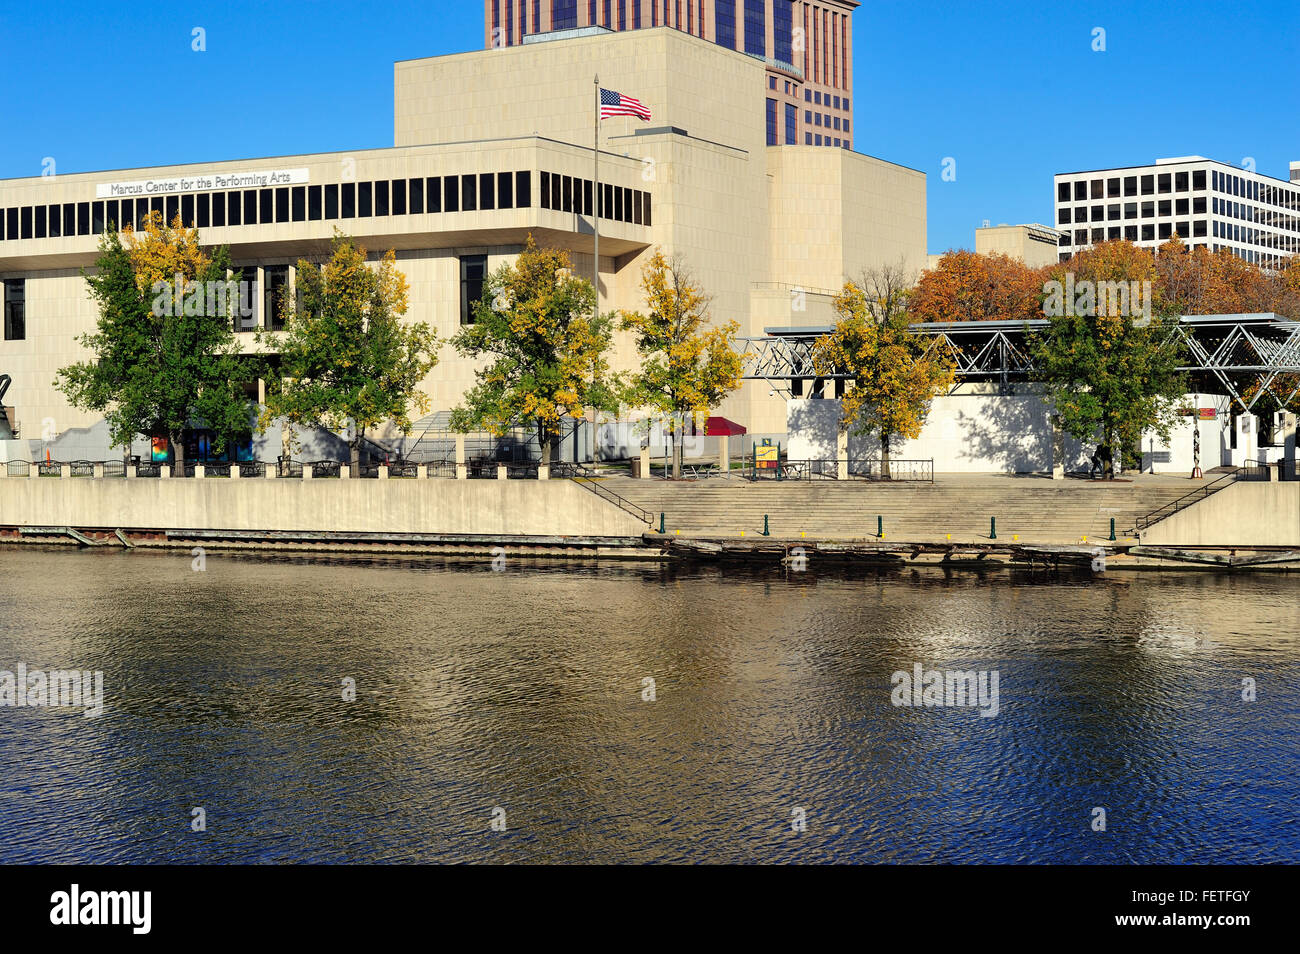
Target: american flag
(616,104)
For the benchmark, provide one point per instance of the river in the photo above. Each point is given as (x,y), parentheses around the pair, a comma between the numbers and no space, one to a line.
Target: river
(576,712)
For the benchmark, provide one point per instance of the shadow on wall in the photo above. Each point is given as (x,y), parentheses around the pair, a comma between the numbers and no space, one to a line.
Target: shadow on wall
(1017,439)
(812,426)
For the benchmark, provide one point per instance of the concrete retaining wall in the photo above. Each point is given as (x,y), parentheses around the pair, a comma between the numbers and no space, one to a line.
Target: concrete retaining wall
(553,507)
(1244,514)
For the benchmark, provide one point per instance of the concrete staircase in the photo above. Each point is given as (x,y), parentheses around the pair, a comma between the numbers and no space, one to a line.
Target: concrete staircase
(1033,509)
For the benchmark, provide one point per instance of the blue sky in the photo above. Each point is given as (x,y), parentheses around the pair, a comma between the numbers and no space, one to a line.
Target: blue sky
(1013,91)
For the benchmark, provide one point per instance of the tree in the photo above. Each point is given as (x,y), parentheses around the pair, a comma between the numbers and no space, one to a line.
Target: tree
(165,356)
(346,358)
(893,374)
(537,325)
(966,286)
(687,368)
(1111,376)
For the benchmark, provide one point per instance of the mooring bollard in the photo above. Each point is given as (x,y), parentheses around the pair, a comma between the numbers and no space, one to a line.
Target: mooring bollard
(993,528)
(880,525)
(1112,528)
(765,530)
(661,521)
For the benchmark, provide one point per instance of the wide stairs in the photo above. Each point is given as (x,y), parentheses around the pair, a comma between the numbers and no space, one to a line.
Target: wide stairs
(957,507)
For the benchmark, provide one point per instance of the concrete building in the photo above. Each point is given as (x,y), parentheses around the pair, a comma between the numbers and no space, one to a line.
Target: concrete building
(1206,203)
(806,47)
(491,147)
(1035,244)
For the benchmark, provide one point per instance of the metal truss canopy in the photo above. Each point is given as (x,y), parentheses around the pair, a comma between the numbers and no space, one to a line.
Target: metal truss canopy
(1234,350)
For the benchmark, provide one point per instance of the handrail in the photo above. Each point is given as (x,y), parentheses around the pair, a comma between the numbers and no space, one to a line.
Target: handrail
(1186,500)
(624,504)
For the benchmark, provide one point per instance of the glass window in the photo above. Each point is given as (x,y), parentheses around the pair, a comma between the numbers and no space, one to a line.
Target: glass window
(1148,185)
(1097,189)
(451,193)
(1198,179)
(782,32)
(315,208)
(416,196)
(349,200)
(546,190)
(506,190)
(298,203)
(724,25)
(1063,192)
(473,272)
(487,198)
(771,122)
(1130,185)
(331,202)
(265,207)
(433,194)
(218,209)
(756,27)
(365,199)
(171,209)
(97,221)
(523,190)
(1180,182)
(15,298)
(381,197)
(791,122)
(276,285)
(1112,188)
(1166,183)
(468,194)
(398,204)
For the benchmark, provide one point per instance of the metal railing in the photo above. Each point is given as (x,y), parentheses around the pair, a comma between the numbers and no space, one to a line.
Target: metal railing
(1195,496)
(324,468)
(482,469)
(600,490)
(829,469)
(913,470)
(441,468)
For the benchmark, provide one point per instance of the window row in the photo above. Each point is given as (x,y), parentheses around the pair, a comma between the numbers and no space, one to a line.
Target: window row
(14,293)
(571,194)
(1163,208)
(1117,186)
(825,119)
(467,193)
(1260,215)
(817,139)
(816,98)
(1138,233)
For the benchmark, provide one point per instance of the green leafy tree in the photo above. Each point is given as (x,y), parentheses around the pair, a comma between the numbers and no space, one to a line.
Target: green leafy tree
(687,367)
(1112,373)
(893,375)
(347,360)
(545,349)
(164,355)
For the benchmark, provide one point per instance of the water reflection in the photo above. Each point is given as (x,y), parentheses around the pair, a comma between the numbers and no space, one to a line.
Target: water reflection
(522,690)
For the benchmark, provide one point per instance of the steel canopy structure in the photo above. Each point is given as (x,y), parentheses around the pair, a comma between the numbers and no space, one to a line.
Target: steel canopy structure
(1235,351)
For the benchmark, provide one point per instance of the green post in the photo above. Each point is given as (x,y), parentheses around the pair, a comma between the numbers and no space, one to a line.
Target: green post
(766,533)
(993,528)
(880,525)
(778,460)
(1112,528)
(661,521)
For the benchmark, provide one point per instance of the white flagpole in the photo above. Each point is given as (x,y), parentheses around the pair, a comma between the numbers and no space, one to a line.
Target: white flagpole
(595,220)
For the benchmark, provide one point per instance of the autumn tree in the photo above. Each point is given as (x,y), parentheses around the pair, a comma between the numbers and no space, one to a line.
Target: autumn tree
(1111,373)
(687,366)
(967,286)
(892,374)
(545,349)
(164,354)
(347,360)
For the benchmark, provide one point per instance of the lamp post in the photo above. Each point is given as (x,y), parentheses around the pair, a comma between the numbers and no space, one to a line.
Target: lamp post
(1196,443)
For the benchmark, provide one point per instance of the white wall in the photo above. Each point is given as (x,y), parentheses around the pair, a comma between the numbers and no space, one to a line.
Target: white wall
(979,431)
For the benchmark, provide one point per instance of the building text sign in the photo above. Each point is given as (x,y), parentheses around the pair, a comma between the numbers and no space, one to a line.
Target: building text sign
(202,183)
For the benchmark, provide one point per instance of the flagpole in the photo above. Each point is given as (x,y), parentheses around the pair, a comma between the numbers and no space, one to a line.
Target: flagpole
(595,220)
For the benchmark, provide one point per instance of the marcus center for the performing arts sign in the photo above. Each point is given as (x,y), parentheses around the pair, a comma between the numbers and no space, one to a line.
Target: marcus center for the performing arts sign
(202,183)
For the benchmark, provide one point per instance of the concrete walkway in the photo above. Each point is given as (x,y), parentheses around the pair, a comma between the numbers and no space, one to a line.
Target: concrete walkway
(1028,509)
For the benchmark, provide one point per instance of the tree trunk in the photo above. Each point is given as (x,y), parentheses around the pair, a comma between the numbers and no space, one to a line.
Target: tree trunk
(178,453)
(354,457)
(884,457)
(679,448)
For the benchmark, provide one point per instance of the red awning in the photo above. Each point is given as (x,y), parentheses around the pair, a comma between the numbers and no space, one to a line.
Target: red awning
(721,427)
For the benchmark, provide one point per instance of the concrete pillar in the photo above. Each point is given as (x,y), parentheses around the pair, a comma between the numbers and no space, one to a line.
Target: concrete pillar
(164,471)
(306,471)
(501,472)
(96,470)
(234,470)
(421,471)
(543,471)
(345,471)
(131,473)
(271,471)
(34,469)
(842,453)
(645,462)
(1286,437)
(200,471)
(1247,452)
(724,455)
(1058,450)
(65,470)
(383,471)
(4,469)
